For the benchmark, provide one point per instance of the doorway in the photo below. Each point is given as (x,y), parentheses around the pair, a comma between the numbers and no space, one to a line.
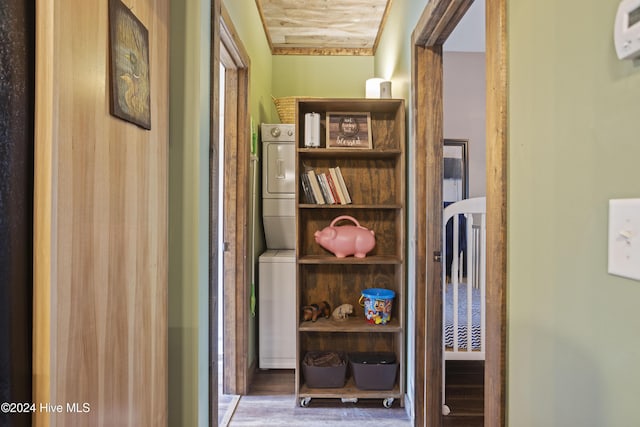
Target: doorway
(228,212)
(234,197)
(228,191)
(434,26)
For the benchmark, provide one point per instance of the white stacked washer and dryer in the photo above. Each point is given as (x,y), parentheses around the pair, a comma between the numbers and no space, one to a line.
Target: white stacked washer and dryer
(277,265)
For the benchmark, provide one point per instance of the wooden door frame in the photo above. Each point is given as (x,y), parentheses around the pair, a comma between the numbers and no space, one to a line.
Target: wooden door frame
(436,23)
(228,50)
(236,184)
(214,173)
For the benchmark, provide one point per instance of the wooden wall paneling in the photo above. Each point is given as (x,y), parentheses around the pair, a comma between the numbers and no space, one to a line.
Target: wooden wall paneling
(45,173)
(496,63)
(101,223)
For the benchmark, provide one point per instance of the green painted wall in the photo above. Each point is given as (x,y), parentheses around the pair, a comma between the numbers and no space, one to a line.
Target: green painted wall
(393,57)
(572,106)
(248,25)
(189,214)
(321,76)
(188,193)
(573,115)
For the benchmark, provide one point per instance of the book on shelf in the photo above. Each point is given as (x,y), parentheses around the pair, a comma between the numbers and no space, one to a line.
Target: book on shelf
(324,187)
(306,189)
(315,187)
(335,187)
(326,191)
(343,185)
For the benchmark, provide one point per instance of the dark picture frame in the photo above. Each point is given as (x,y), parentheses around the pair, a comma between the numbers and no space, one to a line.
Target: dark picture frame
(130,85)
(455,170)
(349,130)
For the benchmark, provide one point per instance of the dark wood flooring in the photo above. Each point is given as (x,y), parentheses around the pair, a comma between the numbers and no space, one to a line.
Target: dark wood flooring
(464,394)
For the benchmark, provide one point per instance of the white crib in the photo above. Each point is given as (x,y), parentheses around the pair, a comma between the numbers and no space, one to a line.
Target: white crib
(464,297)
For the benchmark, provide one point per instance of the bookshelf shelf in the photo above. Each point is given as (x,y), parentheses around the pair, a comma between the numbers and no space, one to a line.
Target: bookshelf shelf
(350,206)
(346,153)
(330,259)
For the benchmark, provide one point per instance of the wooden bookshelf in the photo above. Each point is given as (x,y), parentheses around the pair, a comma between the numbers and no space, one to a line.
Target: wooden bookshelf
(376,180)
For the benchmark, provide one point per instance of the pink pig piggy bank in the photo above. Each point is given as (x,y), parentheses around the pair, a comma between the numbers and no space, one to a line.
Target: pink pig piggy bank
(346,239)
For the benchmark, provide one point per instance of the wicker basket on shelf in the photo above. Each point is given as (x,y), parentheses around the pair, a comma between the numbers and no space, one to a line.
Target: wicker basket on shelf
(286,107)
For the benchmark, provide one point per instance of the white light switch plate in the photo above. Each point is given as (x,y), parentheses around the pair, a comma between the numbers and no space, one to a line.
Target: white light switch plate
(624,238)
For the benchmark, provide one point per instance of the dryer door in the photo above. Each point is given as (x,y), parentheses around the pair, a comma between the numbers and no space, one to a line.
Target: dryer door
(279,170)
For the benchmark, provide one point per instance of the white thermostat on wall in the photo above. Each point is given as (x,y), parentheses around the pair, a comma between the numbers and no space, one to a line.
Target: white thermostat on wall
(626,34)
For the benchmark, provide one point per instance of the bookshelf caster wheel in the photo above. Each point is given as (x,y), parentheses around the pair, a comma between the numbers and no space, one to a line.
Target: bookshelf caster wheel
(388,402)
(445,410)
(304,402)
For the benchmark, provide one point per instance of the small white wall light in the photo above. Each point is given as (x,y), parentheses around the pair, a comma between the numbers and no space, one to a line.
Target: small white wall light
(373,87)
(378,88)
(385,89)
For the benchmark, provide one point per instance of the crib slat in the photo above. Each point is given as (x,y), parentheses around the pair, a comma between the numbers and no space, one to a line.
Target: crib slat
(455,279)
(471,255)
(483,281)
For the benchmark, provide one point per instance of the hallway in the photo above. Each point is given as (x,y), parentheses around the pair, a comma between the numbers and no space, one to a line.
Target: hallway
(271,402)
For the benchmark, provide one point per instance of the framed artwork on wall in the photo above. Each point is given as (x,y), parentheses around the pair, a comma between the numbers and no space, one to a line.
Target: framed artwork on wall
(129,57)
(455,170)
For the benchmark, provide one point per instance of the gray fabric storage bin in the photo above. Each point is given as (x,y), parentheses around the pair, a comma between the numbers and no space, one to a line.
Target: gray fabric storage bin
(374,371)
(324,376)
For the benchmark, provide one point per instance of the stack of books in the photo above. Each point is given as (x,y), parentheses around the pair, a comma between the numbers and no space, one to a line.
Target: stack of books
(325,188)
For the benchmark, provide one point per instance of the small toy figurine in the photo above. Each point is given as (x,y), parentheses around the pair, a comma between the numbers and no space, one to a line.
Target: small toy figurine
(342,312)
(312,311)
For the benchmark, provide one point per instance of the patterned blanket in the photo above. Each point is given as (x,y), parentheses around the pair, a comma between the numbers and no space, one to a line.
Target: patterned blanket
(462,317)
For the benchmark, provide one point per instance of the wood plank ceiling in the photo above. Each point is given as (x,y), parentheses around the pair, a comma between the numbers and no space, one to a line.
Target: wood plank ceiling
(323,27)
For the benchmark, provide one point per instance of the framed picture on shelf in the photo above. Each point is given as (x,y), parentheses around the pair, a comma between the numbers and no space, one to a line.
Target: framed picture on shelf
(349,130)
